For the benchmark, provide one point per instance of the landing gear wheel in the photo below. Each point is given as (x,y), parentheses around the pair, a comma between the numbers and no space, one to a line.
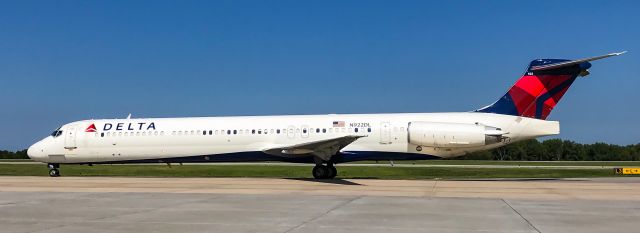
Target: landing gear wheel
(320,172)
(54,172)
(333,172)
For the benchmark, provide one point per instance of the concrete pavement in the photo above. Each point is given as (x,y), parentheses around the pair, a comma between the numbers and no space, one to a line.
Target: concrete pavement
(113,204)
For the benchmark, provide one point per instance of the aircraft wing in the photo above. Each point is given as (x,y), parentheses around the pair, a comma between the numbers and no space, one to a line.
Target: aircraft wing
(323,149)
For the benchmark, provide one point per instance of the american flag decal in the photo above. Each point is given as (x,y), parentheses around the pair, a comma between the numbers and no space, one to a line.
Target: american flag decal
(338,124)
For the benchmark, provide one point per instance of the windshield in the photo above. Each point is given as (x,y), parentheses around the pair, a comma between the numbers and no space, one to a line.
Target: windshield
(56,133)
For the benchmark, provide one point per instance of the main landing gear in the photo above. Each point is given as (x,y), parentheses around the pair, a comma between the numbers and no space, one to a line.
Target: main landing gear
(321,171)
(53,169)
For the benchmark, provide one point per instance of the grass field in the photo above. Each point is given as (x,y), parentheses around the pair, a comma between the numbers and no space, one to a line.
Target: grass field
(513,163)
(302,171)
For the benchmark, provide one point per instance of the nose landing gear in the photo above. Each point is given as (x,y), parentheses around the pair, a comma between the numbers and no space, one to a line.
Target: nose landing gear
(53,169)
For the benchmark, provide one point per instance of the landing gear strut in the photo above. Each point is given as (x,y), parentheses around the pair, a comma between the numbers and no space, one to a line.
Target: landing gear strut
(321,171)
(53,169)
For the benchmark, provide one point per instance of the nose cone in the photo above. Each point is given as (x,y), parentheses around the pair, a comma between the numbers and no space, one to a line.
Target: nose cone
(36,152)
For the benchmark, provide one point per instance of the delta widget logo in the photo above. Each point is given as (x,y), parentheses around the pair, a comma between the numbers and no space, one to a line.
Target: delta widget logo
(91,129)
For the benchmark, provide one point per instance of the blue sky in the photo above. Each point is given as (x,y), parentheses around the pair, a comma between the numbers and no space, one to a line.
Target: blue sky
(62,61)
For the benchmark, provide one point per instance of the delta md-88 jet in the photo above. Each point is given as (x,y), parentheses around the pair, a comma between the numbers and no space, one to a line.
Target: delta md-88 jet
(324,140)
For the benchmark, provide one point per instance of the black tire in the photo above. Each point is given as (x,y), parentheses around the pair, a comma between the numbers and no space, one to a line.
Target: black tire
(54,172)
(333,172)
(320,172)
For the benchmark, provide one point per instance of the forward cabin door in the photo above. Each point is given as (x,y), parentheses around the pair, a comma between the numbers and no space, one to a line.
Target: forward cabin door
(385,133)
(70,137)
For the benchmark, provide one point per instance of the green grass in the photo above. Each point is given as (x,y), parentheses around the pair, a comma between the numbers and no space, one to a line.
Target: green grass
(301,171)
(513,163)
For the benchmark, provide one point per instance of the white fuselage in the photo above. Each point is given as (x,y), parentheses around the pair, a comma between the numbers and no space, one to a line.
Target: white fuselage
(213,139)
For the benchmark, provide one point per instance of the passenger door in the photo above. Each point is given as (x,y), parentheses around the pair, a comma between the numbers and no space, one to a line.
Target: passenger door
(70,137)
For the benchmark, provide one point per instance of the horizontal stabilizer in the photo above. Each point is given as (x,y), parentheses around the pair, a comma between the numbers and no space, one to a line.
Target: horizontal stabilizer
(573,62)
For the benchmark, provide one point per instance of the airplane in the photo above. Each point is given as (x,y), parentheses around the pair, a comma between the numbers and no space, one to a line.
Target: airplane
(323,140)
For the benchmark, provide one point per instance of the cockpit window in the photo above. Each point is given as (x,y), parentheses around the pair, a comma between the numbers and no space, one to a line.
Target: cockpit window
(56,133)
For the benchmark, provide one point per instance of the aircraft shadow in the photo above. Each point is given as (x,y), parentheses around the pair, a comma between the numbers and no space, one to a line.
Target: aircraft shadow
(326,181)
(511,179)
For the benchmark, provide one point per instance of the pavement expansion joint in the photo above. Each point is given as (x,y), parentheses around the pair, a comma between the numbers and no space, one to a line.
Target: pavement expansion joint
(299,226)
(523,218)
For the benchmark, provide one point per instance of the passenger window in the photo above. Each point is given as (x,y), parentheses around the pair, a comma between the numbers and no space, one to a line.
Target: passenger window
(259,131)
(278,131)
(304,130)
(369,130)
(330,130)
(355,130)
(271,131)
(324,130)
(253,131)
(318,130)
(101,134)
(210,132)
(235,131)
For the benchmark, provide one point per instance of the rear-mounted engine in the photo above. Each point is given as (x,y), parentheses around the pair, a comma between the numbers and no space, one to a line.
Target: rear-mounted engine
(453,135)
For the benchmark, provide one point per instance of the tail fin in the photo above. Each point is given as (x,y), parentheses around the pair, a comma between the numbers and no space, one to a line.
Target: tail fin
(538,91)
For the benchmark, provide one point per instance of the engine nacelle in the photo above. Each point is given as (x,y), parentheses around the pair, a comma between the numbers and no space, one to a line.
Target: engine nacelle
(452,135)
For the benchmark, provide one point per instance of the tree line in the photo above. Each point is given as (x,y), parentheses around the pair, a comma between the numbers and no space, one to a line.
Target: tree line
(21,154)
(559,150)
(528,150)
